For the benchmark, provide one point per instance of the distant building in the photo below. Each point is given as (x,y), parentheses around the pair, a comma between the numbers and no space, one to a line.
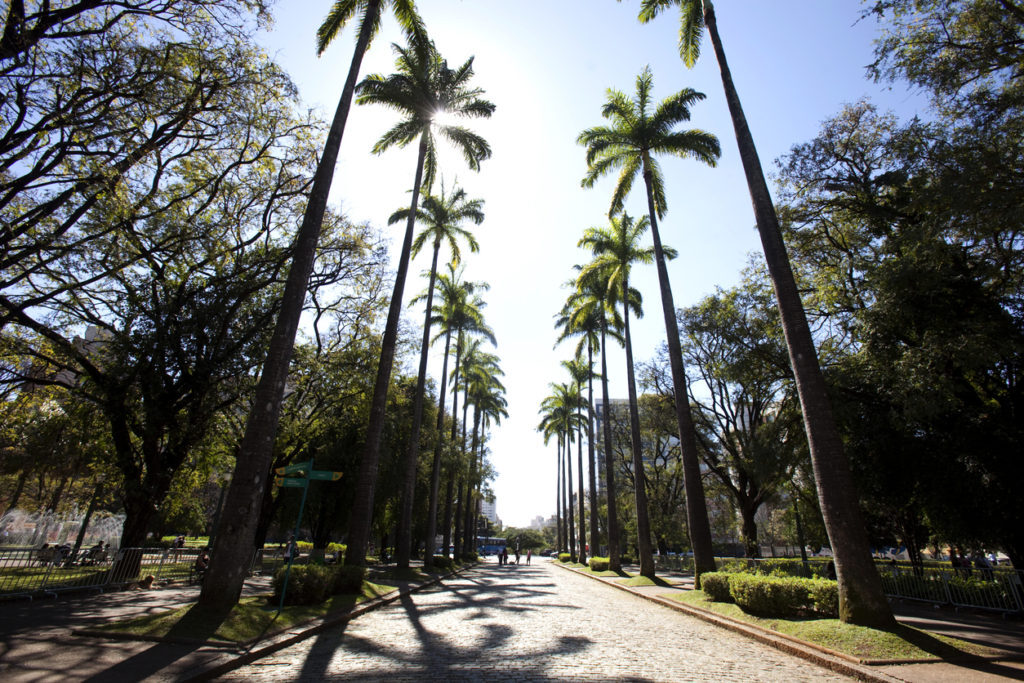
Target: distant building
(489,510)
(537,523)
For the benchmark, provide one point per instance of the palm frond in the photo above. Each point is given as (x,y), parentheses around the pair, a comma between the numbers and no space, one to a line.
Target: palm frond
(337,17)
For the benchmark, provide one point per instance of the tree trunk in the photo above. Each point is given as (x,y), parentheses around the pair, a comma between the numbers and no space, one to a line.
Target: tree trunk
(582,557)
(19,487)
(567,484)
(435,468)
(698,524)
(643,522)
(361,521)
(403,542)
(447,534)
(592,469)
(614,563)
(861,600)
(222,584)
(748,529)
(460,549)
(558,495)
(471,499)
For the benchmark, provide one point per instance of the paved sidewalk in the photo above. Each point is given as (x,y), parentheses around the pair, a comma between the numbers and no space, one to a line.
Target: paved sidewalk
(984,629)
(37,642)
(40,641)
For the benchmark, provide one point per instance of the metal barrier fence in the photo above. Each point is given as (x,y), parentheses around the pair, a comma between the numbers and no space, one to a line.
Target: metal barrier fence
(996,589)
(30,572)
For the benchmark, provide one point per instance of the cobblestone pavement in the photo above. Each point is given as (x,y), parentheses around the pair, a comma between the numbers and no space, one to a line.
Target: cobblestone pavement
(528,623)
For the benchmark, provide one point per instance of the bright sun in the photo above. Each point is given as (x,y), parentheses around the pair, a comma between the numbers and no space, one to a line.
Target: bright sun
(445,118)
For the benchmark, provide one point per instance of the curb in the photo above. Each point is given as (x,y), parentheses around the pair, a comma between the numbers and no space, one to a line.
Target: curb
(828,659)
(282,642)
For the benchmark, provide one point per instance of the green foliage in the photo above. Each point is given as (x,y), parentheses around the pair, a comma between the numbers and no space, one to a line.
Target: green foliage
(470,556)
(716,586)
(314,583)
(784,597)
(599,564)
(564,557)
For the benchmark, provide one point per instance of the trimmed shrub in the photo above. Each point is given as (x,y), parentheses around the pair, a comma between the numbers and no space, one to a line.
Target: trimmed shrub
(716,586)
(824,594)
(599,564)
(314,583)
(564,557)
(307,584)
(770,596)
(470,556)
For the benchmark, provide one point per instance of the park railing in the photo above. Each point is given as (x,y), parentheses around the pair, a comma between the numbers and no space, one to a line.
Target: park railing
(29,572)
(997,589)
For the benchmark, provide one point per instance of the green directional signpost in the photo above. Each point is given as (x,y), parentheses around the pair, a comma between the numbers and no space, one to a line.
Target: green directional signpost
(300,475)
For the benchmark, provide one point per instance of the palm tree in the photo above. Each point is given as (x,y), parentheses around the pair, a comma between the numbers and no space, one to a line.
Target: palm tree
(558,412)
(636,133)
(422,89)
(459,310)
(579,318)
(594,298)
(487,395)
(480,373)
(861,599)
(441,215)
(579,372)
(616,248)
(233,543)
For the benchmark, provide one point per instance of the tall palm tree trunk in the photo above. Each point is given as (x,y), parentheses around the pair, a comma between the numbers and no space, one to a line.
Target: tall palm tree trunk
(861,600)
(614,563)
(696,505)
(468,542)
(362,507)
(579,462)
(460,549)
(643,522)
(592,469)
(446,534)
(570,515)
(471,497)
(435,469)
(404,537)
(558,494)
(233,542)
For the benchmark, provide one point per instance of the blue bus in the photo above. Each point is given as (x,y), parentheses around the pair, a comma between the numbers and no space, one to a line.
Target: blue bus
(487,545)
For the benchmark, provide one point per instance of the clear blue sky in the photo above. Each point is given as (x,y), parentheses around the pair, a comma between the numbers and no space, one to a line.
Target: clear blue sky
(547,66)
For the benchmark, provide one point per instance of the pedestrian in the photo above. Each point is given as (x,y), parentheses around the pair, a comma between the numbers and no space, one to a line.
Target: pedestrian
(517,555)
(529,554)
(830,570)
(504,555)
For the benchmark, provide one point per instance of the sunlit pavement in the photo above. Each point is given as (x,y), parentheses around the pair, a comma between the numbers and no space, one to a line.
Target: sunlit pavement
(528,623)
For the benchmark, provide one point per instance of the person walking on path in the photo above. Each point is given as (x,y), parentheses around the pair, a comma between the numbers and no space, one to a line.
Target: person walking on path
(529,554)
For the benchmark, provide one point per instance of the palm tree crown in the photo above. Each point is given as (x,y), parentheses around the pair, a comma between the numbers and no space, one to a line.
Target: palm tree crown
(636,133)
(422,88)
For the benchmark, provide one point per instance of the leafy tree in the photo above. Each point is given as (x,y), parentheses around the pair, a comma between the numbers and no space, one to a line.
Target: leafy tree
(629,144)
(926,293)
(861,600)
(223,583)
(422,88)
(746,413)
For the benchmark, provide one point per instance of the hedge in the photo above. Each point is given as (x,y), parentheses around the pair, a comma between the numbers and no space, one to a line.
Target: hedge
(443,562)
(599,564)
(716,586)
(783,597)
(564,557)
(313,583)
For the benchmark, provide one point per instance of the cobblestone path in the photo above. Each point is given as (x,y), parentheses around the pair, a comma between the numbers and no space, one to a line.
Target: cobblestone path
(500,623)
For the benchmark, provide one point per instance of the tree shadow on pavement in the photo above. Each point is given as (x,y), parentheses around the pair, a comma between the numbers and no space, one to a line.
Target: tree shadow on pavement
(437,656)
(948,653)
(194,626)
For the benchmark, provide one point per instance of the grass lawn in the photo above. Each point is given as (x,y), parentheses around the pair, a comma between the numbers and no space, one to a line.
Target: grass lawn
(251,619)
(859,641)
(638,580)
